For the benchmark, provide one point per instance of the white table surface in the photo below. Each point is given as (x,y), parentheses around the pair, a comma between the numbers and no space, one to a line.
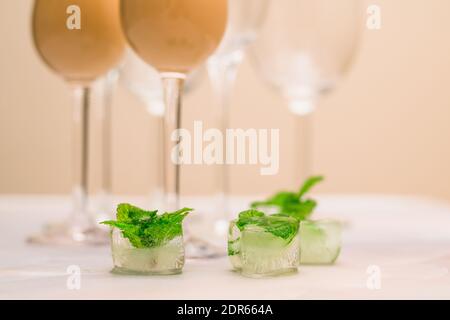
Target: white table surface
(407,238)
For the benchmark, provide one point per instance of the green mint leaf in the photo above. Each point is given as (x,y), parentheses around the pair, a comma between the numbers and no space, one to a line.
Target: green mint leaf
(146,229)
(291,203)
(110,223)
(280,226)
(299,211)
(177,216)
(248,217)
(309,183)
(250,214)
(129,213)
(165,227)
(129,231)
(132,233)
(279,199)
(282,229)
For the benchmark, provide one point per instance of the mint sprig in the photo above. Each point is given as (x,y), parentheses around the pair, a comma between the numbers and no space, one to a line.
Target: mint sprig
(293,204)
(147,229)
(282,227)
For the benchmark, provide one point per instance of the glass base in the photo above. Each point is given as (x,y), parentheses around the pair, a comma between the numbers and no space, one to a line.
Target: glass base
(281,272)
(64,234)
(235,261)
(200,249)
(320,262)
(124,271)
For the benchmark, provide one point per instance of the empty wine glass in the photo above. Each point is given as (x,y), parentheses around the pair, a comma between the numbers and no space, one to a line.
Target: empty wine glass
(304,49)
(244,21)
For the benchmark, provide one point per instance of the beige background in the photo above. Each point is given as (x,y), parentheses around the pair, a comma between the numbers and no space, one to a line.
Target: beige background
(385,129)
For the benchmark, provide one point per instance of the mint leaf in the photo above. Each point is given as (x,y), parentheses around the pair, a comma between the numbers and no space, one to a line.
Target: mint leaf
(279,199)
(147,229)
(292,204)
(309,183)
(129,231)
(132,233)
(165,227)
(280,226)
(247,217)
(248,214)
(113,223)
(282,229)
(128,213)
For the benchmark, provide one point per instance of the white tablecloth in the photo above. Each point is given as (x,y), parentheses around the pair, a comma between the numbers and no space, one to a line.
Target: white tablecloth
(408,239)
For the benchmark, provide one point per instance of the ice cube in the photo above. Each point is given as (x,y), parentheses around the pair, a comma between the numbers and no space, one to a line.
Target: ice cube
(165,259)
(234,246)
(265,250)
(320,241)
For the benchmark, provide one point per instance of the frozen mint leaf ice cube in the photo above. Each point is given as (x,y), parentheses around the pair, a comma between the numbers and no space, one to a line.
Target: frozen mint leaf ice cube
(269,245)
(165,259)
(320,241)
(147,229)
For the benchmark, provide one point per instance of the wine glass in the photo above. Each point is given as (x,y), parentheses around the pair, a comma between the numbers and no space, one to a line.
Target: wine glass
(304,49)
(174,37)
(244,20)
(80,40)
(102,203)
(144,82)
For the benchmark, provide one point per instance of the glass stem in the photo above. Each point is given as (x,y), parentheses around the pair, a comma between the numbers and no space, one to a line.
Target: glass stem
(160,162)
(303,165)
(106,146)
(81,96)
(173,86)
(222,71)
(157,193)
(110,84)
